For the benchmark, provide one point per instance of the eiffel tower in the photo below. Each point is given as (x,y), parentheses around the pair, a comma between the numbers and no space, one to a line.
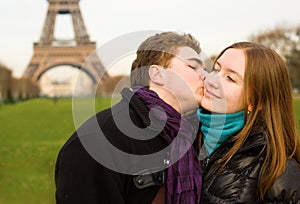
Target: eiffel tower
(50,52)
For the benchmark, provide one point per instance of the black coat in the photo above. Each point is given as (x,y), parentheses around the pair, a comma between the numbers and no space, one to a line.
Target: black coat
(80,178)
(237,182)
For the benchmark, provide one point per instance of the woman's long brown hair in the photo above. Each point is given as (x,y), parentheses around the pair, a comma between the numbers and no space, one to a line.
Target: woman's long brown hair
(267,89)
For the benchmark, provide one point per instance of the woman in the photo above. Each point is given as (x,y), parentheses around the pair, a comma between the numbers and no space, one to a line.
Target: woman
(251,150)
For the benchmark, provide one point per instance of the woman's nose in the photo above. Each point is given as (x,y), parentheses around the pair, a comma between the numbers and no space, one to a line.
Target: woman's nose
(212,80)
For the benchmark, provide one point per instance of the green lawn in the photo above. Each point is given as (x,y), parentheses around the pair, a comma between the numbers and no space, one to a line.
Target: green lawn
(297,110)
(31,135)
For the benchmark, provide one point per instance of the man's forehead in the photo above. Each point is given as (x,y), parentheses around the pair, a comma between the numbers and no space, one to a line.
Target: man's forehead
(187,53)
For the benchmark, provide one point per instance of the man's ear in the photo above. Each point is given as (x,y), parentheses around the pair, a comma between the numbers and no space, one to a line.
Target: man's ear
(157,74)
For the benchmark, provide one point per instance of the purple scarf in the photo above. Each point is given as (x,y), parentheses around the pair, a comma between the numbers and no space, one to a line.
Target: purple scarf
(184,177)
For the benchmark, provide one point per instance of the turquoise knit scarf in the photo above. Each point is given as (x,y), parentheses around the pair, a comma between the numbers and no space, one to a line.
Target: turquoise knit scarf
(217,127)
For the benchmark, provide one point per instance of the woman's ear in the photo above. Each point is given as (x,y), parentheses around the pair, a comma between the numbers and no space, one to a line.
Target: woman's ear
(157,74)
(250,108)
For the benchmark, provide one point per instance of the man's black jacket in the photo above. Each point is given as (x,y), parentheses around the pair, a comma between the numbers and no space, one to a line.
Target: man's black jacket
(80,178)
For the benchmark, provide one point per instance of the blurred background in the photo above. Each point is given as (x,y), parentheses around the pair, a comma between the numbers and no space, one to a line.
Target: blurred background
(46,49)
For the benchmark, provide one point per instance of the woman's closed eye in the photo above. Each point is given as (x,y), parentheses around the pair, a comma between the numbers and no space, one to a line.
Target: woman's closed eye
(231,79)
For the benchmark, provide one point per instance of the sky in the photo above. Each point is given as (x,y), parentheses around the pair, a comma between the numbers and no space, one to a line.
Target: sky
(215,23)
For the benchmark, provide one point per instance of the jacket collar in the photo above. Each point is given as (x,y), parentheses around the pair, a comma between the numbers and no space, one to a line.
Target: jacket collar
(137,105)
(256,138)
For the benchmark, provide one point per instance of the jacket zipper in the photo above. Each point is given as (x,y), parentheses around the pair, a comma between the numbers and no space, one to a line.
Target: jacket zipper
(205,162)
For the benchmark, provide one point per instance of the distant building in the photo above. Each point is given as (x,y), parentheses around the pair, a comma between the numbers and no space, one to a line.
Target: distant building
(52,88)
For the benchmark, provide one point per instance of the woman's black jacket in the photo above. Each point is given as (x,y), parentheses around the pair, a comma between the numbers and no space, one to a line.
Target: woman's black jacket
(237,182)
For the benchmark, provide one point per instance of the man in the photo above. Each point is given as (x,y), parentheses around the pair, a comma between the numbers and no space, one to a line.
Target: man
(140,150)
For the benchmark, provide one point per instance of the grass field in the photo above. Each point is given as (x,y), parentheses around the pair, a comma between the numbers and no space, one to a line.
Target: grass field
(31,135)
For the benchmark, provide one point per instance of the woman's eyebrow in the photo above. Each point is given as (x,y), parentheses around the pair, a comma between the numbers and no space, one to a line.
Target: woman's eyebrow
(230,70)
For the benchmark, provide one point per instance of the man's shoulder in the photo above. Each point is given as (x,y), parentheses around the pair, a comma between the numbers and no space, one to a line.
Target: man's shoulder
(74,143)
(110,114)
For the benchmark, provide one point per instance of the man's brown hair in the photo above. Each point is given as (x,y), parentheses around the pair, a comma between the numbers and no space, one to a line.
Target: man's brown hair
(158,50)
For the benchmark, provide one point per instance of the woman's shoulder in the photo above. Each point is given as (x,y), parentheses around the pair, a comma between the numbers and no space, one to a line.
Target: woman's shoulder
(254,144)
(287,187)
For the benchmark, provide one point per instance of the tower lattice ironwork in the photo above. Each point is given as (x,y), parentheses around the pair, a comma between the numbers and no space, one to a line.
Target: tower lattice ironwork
(50,52)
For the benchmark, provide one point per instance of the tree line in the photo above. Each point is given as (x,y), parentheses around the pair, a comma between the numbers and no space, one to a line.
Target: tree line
(286,41)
